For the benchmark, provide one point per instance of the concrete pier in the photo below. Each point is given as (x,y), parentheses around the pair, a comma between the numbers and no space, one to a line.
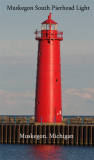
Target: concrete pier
(58,134)
(76,132)
(17,134)
(1,133)
(44,134)
(93,135)
(90,135)
(47,134)
(22,131)
(9,134)
(67,133)
(27,133)
(13,135)
(53,134)
(71,132)
(31,134)
(85,135)
(39,133)
(5,133)
(81,135)
(35,134)
(62,131)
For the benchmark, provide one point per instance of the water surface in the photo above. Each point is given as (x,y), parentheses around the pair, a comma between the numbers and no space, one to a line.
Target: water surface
(44,152)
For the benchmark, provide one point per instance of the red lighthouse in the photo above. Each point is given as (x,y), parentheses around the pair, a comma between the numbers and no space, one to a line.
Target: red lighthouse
(48,103)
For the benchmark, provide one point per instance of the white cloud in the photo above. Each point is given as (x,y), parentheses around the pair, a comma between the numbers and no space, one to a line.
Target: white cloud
(10,94)
(17,46)
(82,93)
(17,102)
(78,101)
(78,47)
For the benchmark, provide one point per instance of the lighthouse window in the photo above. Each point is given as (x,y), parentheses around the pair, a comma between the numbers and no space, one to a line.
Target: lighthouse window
(44,26)
(40,54)
(52,27)
(55,26)
(47,26)
(56,80)
(37,102)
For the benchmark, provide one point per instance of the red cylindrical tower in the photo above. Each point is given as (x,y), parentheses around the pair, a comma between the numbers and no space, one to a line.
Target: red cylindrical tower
(48,103)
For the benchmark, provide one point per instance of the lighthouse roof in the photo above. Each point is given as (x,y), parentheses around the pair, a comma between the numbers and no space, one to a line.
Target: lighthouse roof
(49,20)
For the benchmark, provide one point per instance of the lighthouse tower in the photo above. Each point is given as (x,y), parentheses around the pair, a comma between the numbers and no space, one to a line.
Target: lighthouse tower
(48,102)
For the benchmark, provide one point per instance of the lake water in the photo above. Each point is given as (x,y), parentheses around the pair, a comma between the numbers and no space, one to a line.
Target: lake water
(44,152)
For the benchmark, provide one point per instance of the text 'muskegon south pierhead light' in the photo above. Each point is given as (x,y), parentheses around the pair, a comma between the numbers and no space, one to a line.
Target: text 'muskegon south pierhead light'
(48,101)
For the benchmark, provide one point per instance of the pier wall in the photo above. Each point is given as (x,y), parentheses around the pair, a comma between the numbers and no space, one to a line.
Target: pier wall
(47,134)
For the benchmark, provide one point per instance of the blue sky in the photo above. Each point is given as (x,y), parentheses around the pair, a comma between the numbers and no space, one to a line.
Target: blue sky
(18,56)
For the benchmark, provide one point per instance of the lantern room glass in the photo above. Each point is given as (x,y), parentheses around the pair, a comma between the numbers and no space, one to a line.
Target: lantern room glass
(47,27)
